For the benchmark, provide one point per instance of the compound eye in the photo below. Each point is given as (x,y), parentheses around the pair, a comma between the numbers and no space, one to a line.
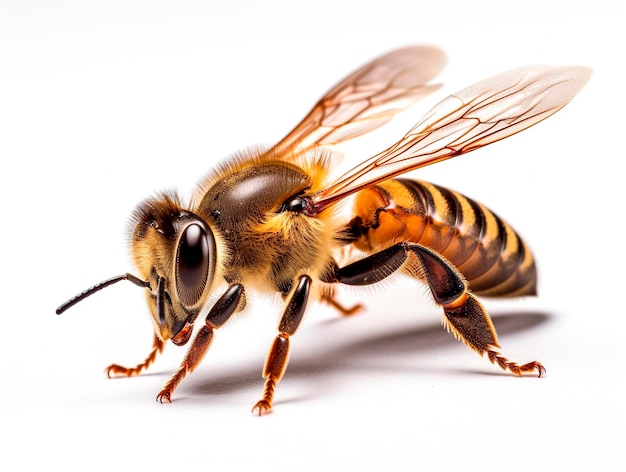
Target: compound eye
(193,263)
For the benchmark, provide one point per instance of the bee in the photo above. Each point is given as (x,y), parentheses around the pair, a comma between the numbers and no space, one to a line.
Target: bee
(270,219)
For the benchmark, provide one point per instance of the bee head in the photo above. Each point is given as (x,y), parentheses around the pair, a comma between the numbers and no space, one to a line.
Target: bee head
(175,252)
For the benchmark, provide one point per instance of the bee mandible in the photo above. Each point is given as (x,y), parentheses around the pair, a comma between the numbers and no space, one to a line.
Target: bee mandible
(269,219)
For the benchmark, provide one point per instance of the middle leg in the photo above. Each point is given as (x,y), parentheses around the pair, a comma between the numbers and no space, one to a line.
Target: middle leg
(276,362)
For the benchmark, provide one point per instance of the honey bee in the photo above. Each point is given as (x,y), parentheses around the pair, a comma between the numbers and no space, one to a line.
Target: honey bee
(269,219)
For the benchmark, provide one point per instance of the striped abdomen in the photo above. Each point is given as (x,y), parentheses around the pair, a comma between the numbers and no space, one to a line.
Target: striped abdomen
(486,250)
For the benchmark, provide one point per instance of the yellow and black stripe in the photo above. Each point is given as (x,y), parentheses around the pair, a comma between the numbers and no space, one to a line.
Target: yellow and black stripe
(484,248)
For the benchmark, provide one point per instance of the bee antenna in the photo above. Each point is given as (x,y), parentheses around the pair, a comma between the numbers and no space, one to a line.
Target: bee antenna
(96,288)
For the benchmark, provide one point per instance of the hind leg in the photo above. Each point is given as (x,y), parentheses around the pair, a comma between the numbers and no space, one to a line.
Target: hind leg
(464,314)
(470,323)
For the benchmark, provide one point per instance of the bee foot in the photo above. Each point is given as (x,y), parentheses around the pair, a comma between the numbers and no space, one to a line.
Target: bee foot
(115,370)
(496,358)
(262,407)
(164,396)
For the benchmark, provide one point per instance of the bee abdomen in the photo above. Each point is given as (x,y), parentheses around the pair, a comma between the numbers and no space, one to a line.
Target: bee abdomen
(486,250)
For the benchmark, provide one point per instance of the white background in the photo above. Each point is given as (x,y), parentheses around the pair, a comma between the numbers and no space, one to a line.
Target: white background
(103,103)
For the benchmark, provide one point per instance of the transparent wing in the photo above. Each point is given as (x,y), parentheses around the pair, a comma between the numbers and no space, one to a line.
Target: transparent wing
(366,99)
(474,117)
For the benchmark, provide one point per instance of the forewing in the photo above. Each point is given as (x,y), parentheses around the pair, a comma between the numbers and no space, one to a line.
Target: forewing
(474,117)
(366,99)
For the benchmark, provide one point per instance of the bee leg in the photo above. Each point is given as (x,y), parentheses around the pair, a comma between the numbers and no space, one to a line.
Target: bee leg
(465,316)
(115,369)
(345,311)
(227,304)
(470,323)
(277,358)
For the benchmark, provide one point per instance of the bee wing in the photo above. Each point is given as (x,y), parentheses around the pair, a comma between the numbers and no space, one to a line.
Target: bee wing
(474,117)
(366,99)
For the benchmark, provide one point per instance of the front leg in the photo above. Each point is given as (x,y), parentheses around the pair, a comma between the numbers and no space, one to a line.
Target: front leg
(219,314)
(277,359)
(116,369)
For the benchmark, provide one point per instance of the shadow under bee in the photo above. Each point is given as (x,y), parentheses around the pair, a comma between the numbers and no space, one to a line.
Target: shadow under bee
(388,351)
